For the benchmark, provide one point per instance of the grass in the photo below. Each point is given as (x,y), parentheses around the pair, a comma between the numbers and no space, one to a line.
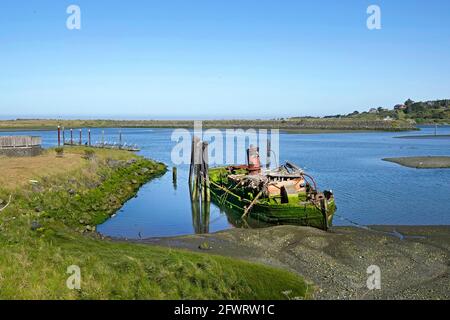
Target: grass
(49,227)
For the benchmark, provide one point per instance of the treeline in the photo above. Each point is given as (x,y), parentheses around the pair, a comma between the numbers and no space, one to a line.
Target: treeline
(435,111)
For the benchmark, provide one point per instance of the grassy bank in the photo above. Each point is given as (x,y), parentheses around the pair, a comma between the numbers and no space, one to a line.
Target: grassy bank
(306,125)
(422,162)
(50,223)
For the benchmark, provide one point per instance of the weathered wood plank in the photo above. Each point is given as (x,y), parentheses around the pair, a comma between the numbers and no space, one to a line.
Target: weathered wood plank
(19,141)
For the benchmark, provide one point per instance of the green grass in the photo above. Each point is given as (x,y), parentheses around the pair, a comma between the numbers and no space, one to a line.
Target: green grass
(63,209)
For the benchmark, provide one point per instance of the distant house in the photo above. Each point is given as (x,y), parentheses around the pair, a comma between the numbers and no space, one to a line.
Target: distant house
(373,110)
(400,107)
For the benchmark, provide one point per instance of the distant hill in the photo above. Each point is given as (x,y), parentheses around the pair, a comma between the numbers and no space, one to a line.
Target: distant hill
(422,112)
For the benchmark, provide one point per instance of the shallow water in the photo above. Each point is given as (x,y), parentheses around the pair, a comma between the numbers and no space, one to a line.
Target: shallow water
(368,190)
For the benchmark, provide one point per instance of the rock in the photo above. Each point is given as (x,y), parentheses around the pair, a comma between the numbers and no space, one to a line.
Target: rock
(90,228)
(35,225)
(131,161)
(134,181)
(204,246)
(114,163)
(71,192)
(38,209)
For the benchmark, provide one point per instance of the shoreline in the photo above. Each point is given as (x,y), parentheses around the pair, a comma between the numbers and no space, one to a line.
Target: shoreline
(430,162)
(298,125)
(56,214)
(413,259)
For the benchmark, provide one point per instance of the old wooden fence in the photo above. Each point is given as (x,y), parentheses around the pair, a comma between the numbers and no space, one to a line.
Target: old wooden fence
(19,142)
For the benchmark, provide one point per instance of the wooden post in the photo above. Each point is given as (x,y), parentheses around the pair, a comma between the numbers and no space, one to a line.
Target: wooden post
(324,209)
(81,140)
(120,139)
(196,167)
(59,136)
(205,172)
(71,136)
(89,137)
(269,153)
(64,136)
(191,167)
(174,177)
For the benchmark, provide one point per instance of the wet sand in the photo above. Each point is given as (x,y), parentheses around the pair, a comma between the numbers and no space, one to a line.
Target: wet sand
(414,261)
(422,162)
(427,137)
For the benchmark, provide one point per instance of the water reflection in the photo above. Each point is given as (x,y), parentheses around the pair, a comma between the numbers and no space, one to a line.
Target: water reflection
(200,216)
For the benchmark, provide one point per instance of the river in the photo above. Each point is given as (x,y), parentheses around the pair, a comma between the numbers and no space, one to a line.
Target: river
(368,190)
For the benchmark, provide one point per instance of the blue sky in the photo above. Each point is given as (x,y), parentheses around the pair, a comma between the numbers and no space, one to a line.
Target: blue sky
(219,59)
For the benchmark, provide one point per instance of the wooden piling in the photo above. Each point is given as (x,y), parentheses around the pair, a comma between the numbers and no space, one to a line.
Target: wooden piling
(174,175)
(63,135)
(193,169)
(269,153)
(191,163)
(205,172)
(199,185)
(89,137)
(71,136)
(59,136)
(324,209)
(80,142)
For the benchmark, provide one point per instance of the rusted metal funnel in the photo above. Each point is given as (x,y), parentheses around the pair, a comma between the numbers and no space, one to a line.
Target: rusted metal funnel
(254,163)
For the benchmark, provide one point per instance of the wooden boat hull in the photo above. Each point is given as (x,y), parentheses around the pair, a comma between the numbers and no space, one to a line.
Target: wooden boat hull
(305,214)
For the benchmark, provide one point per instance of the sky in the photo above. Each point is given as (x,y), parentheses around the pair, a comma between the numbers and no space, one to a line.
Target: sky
(202,59)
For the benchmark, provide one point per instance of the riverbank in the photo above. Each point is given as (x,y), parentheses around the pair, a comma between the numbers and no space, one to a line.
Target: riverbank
(54,205)
(414,261)
(299,125)
(422,162)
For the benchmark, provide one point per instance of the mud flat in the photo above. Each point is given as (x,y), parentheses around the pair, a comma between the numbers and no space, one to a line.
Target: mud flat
(422,162)
(426,137)
(414,261)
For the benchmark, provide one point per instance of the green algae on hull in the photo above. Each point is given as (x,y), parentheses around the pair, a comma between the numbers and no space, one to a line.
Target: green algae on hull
(297,211)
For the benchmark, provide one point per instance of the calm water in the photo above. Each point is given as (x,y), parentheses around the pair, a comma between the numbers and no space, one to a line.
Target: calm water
(368,191)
